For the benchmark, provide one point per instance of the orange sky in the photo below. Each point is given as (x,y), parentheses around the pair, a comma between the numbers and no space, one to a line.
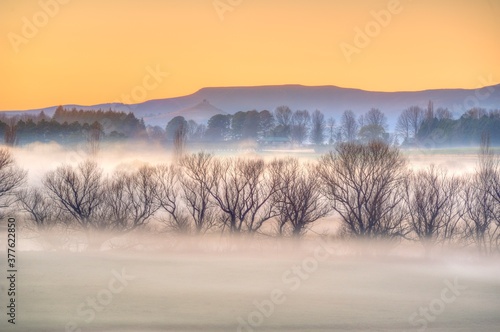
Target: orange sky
(95,51)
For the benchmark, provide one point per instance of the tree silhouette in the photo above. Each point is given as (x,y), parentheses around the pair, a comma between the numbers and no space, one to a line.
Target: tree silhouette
(318,128)
(364,185)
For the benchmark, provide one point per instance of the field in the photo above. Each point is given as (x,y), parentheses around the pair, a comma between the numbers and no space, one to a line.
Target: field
(263,285)
(161,282)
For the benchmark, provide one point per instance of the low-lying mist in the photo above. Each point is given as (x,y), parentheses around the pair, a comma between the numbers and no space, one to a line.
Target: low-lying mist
(38,158)
(311,273)
(162,282)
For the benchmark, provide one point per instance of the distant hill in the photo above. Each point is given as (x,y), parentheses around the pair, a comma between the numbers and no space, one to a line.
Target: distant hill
(331,100)
(199,113)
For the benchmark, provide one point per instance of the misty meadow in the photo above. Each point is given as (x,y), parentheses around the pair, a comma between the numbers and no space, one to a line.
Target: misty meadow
(274,220)
(246,166)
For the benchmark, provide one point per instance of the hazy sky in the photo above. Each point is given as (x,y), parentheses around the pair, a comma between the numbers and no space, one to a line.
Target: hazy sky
(93,51)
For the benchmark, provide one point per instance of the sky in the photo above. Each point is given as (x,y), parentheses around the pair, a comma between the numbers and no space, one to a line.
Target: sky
(87,52)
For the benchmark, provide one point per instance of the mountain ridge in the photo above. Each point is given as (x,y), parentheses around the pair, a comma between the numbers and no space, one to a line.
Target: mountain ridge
(330,99)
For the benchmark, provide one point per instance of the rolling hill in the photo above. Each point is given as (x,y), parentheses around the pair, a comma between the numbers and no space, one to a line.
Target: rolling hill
(331,100)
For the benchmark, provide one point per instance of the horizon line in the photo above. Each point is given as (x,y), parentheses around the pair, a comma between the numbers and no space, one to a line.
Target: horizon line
(253,86)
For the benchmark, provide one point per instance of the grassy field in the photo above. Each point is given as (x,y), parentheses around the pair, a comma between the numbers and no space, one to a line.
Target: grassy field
(163,283)
(253,286)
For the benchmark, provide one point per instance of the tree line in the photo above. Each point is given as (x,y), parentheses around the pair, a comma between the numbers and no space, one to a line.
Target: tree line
(437,128)
(278,127)
(367,186)
(71,126)
(415,126)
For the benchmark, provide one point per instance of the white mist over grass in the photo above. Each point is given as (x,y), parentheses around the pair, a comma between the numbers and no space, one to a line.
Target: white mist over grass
(172,283)
(154,281)
(39,158)
(455,161)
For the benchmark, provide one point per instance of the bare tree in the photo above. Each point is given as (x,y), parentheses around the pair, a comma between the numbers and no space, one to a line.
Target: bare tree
(375,117)
(298,201)
(192,127)
(196,187)
(43,218)
(481,203)
(331,130)
(130,199)
(480,213)
(373,126)
(409,122)
(42,215)
(434,206)
(268,182)
(180,137)
(349,126)
(236,186)
(283,116)
(94,136)
(318,128)
(403,126)
(364,185)
(167,193)
(416,117)
(79,192)
(11,178)
(300,126)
